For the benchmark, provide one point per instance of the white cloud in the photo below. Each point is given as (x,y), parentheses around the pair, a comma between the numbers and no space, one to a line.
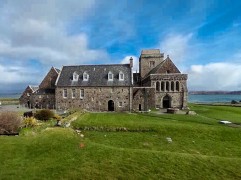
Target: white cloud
(177,46)
(126,60)
(37,30)
(215,76)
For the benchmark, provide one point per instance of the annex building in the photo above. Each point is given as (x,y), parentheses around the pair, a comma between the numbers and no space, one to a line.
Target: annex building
(112,87)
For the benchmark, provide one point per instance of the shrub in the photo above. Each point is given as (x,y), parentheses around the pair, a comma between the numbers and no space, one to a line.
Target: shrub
(57,117)
(30,122)
(44,114)
(9,122)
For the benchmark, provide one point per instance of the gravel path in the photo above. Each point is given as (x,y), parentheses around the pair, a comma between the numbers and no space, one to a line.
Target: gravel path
(15,108)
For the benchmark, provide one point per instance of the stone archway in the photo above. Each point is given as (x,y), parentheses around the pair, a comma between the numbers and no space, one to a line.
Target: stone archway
(166,102)
(111,105)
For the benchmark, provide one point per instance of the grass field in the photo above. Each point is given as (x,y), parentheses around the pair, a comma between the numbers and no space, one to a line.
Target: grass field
(9,101)
(128,146)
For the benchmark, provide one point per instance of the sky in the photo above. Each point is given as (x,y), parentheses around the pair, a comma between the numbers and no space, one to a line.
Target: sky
(203,38)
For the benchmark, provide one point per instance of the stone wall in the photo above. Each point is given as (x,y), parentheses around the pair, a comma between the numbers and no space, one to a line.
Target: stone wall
(143,98)
(25,97)
(95,98)
(49,80)
(42,101)
(173,86)
(144,64)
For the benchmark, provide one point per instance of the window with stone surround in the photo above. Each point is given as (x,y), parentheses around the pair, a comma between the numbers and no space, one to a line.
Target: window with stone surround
(75,76)
(110,76)
(167,86)
(152,64)
(65,93)
(157,86)
(172,86)
(73,93)
(162,86)
(85,76)
(121,76)
(81,93)
(120,104)
(177,86)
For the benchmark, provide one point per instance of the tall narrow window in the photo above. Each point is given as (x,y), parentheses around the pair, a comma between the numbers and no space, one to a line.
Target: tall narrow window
(152,63)
(157,86)
(85,76)
(172,86)
(177,86)
(167,86)
(121,76)
(162,86)
(110,76)
(81,93)
(65,93)
(73,93)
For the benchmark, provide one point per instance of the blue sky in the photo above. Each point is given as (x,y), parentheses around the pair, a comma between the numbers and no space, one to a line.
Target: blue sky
(202,37)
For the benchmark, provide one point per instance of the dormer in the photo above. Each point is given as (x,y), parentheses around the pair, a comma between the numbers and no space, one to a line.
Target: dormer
(121,76)
(85,76)
(110,76)
(75,76)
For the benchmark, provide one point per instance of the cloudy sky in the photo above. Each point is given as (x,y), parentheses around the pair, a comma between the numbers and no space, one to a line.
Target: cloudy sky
(203,37)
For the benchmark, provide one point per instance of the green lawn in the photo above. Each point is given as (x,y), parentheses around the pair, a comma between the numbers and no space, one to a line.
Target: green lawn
(201,148)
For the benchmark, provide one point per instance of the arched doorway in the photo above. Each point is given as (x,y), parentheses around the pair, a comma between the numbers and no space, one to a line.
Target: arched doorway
(166,102)
(111,105)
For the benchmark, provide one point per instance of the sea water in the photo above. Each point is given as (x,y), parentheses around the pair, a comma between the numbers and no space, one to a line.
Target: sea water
(211,98)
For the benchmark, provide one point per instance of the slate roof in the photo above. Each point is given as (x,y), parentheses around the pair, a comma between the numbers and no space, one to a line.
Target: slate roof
(98,75)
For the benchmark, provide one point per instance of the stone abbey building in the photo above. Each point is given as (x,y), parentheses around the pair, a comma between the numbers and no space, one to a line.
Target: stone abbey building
(112,87)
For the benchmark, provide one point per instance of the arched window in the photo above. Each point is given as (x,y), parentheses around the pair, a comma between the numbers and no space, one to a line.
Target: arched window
(121,76)
(177,86)
(85,76)
(75,76)
(167,86)
(172,86)
(110,76)
(157,86)
(162,86)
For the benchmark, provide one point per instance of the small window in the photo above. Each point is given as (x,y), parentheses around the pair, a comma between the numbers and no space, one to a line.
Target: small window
(167,86)
(162,86)
(39,96)
(65,93)
(28,94)
(152,63)
(157,86)
(120,104)
(73,93)
(81,93)
(177,86)
(121,76)
(110,76)
(85,76)
(100,89)
(75,76)
(172,86)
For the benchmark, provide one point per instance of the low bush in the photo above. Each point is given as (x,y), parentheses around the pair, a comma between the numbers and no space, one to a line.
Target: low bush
(9,122)
(57,117)
(44,114)
(30,122)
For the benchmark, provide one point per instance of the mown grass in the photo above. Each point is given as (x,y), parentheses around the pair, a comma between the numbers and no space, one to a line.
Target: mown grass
(201,148)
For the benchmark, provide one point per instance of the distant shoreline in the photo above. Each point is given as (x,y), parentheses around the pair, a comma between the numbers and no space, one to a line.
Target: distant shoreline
(215,92)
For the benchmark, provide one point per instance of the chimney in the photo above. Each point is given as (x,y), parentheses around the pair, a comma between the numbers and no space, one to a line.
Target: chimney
(131,62)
